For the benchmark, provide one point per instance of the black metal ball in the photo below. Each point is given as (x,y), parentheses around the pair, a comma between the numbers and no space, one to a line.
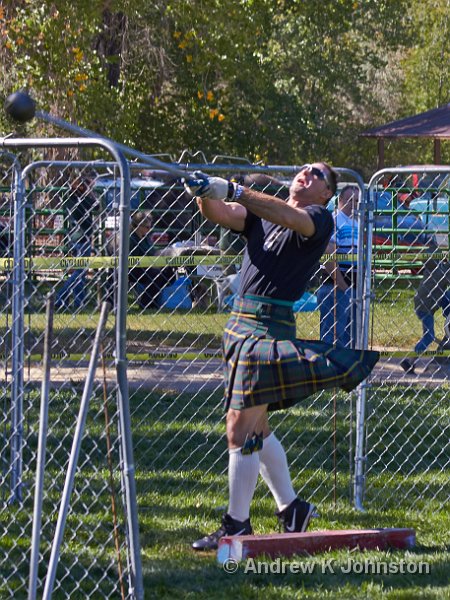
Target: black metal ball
(20,106)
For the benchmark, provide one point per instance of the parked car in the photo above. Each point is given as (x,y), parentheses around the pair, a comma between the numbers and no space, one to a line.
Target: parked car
(407,187)
(434,213)
(395,227)
(172,210)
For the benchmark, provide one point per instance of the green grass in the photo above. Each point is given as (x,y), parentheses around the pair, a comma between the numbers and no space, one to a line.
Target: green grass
(393,325)
(182,487)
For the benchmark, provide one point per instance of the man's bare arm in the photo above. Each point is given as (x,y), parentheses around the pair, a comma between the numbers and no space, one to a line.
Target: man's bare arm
(272,209)
(277,211)
(332,268)
(230,215)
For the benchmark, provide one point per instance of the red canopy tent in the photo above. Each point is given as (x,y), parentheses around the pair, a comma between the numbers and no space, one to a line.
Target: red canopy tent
(434,124)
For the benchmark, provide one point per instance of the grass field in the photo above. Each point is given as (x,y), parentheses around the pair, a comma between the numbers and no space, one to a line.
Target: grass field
(181,478)
(393,325)
(182,489)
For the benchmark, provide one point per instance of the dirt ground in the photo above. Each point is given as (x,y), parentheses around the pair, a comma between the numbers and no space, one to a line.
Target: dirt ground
(190,376)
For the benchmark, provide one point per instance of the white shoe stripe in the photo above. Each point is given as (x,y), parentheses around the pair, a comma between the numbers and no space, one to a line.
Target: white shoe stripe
(291,527)
(312,508)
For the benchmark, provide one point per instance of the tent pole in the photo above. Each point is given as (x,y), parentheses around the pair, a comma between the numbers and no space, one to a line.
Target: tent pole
(380,153)
(437,151)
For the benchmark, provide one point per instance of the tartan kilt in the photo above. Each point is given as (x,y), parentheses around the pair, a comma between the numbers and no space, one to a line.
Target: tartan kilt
(264,363)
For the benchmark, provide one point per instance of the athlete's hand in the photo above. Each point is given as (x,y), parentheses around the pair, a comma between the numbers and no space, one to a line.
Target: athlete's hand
(213,188)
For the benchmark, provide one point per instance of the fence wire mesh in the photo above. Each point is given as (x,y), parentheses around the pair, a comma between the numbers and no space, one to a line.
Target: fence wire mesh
(408,414)
(63,224)
(183,275)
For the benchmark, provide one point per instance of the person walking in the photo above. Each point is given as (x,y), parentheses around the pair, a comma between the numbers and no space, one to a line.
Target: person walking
(432,294)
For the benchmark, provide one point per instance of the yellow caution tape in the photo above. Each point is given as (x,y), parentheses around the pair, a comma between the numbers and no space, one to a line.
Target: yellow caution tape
(132,357)
(152,357)
(58,263)
(409,353)
(51,263)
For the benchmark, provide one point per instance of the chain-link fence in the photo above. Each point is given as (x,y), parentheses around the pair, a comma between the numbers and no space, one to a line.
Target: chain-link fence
(183,276)
(407,453)
(10,296)
(48,215)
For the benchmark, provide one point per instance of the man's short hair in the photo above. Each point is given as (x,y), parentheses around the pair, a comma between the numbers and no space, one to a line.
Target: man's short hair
(140,217)
(347,188)
(333,177)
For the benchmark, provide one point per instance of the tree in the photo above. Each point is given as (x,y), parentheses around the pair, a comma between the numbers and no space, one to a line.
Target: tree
(281,81)
(426,64)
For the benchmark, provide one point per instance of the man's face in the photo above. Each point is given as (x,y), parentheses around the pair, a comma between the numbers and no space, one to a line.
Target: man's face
(347,202)
(311,185)
(144,228)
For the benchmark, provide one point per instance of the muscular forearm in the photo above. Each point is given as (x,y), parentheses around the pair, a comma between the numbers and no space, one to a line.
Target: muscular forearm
(230,215)
(215,191)
(267,207)
(277,211)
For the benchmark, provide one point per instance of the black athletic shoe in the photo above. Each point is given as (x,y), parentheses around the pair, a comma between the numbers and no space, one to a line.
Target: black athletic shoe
(407,366)
(229,527)
(296,517)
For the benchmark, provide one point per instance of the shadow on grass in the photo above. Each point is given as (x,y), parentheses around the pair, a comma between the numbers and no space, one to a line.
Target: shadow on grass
(180,458)
(204,579)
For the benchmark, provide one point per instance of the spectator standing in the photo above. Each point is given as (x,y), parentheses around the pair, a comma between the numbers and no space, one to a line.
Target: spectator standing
(337,293)
(433,293)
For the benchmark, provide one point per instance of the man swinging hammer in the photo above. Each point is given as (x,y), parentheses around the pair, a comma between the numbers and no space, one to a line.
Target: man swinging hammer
(266,368)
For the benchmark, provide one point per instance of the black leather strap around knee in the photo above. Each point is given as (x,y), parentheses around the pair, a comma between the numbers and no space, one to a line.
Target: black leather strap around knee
(253,444)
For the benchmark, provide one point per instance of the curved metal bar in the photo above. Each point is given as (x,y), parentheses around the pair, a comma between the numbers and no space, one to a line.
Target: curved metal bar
(41,450)
(146,158)
(121,317)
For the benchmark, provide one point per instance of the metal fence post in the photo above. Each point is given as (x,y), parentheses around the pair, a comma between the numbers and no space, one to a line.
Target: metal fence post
(18,299)
(42,444)
(124,408)
(364,275)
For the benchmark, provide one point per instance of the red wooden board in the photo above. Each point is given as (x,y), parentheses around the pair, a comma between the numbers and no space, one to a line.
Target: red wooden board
(310,542)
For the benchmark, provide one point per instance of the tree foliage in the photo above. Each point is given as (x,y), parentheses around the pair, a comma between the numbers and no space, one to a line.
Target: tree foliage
(427,63)
(273,80)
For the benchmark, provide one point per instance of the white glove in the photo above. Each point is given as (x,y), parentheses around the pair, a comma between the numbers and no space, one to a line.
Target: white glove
(214,188)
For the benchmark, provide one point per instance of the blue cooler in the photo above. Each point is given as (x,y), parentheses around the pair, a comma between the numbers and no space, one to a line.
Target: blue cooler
(177,295)
(307,303)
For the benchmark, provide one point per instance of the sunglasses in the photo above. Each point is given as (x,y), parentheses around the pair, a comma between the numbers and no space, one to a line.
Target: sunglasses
(316,172)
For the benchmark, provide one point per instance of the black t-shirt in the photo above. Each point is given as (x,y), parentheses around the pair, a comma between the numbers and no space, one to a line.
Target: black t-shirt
(140,246)
(279,262)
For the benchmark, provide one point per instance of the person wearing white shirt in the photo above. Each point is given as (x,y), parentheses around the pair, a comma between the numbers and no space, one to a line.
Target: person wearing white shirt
(336,295)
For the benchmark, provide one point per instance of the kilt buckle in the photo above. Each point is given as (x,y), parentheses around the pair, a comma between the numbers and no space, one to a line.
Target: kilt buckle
(264,310)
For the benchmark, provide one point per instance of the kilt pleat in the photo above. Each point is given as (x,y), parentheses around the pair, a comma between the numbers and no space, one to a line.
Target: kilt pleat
(264,363)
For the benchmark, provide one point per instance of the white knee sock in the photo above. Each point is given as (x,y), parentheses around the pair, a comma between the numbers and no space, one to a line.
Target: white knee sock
(274,470)
(243,473)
